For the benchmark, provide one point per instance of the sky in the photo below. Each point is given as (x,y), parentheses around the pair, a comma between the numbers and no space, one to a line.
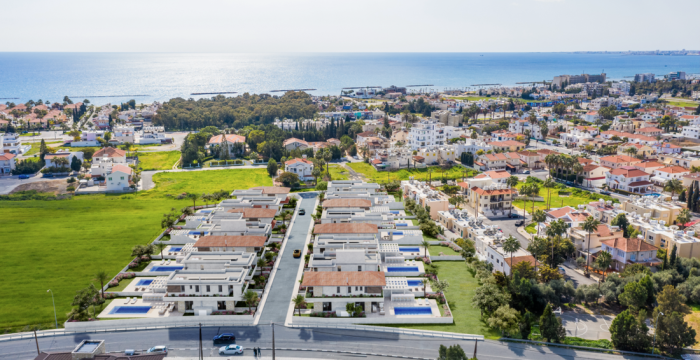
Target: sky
(260,26)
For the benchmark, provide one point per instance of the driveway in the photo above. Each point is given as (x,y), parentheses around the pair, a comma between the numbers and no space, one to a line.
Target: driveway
(277,303)
(577,278)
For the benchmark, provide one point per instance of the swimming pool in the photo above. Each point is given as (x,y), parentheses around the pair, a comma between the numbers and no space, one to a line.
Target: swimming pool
(654,194)
(402,269)
(394,212)
(166,268)
(130,310)
(199,232)
(398,232)
(415,283)
(172,248)
(409,249)
(144,282)
(401,224)
(413,311)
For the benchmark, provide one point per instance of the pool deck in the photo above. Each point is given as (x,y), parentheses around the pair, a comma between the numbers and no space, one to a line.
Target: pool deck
(158,263)
(153,313)
(413,263)
(132,287)
(390,305)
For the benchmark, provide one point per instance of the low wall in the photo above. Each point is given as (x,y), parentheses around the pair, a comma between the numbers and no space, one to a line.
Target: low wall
(447,258)
(303,320)
(212,320)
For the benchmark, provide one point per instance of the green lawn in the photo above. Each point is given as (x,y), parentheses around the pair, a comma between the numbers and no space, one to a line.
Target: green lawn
(162,160)
(175,183)
(459,294)
(122,285)
(60,245)
(372,175)
(531,228)
(37,145)
(681,102)
(435,250)
(338,172)
(557,200)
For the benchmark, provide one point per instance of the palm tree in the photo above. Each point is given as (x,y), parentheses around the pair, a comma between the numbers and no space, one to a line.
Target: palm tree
(102,277)
(577,170)
(534,191)
(316,172)
(250,297)
(673,186)
(604,261)
(193,197)
(161,246)
(299,302)
(590,225)
(549,184)
(328,156)
(511,245)
(539,217)
(683,217)
(425,245)
(60,162)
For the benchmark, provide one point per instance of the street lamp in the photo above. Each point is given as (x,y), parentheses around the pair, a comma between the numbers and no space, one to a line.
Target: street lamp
(54,308)
(656,327)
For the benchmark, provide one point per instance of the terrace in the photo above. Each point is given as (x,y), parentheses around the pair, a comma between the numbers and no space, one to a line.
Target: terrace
(399,266)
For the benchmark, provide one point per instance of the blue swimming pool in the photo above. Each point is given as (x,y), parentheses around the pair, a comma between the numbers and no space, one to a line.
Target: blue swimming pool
(401,224)
(144,282)
(394,212)
(130,310)
(398,232)
(415,283)
(166,268)
(654,194)
(413,311)
(172,248)
(409,249)
(204,211)
(402,269)
(198,233)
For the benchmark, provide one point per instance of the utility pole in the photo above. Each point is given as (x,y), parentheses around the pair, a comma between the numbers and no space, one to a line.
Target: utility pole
(476,342)
(201,354)
(273,340)
(39,353)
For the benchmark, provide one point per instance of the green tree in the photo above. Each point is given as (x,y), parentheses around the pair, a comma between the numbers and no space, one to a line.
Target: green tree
(550,326)
(43,150)
(537,247)
(488,297)
(511,245)
(425,244)
(672,259)
(272,167)
(539,217)
(454,352)
(634,296)
(673,333)
(505,319)
(316,173)
(251,298)
(621,221)
(629,333)
(683,217)
(101,277)
(299,302)
(603,262)
(193,197)
(289,179)
(160,247)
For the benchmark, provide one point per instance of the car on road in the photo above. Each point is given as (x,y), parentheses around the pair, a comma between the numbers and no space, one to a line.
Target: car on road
(519,223)
(562,270)
(514,216)
(557,311)
(231,350)
(526,172)
(225,338)
(24,176)
(605,192)
(297,253)
(160,349)
(302,212)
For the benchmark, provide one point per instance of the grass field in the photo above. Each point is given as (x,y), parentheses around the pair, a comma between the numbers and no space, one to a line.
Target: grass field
(459,297)
(175,183)
(37,145)
(162,160)
(338,172)
(681,102)
(372,175)
(435,250)
(556,200)
(59,245)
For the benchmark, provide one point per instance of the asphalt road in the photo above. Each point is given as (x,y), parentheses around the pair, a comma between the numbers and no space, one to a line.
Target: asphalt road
(277,303)
(184,342)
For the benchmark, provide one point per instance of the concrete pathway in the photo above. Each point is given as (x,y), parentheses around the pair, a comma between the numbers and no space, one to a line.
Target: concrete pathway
(284,282)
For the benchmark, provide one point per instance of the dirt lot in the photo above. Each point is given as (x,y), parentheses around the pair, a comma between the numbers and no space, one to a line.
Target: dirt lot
(54,186)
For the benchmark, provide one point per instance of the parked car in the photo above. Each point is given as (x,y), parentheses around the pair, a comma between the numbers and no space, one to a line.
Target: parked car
(24,176)
(231,350)
(605,192)
(160,349)
(557,311)
(302,212)
(519,223)
(561,270)
(526,172)
(297,253)
(514,216)
(225,338)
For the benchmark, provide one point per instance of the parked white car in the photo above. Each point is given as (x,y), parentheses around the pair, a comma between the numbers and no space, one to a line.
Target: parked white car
(557,311)
(231,350)
(162,349)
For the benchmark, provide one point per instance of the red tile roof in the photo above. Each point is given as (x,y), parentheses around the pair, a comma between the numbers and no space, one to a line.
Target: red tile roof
(110,152)
(232,138)
(346,228)
(561,212)
(673,169)
(628,172)
(344,278)
(620,159)
(231,241)
(298,160)
(122,168)
(629,245)
(6,156)
(518,259)
(293,140)
(481,191)
(272,189)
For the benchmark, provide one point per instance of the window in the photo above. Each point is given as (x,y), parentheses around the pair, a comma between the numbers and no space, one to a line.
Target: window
(349,289)
(359,267)
(110,179)
(196,288)
(122,178)
(338,290)
(208,289)
(221,288)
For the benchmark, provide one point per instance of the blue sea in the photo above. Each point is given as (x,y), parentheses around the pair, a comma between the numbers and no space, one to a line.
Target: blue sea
(117,77)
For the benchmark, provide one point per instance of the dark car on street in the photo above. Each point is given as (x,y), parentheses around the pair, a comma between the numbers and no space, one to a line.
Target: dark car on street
(605,192)
(24,176)
(225,338)
(519,223)
(302,212)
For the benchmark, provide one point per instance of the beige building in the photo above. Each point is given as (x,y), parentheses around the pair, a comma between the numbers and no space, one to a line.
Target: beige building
(493,200)
(424,195)
(618,161)
(657,209)
(664,237)
(580,237)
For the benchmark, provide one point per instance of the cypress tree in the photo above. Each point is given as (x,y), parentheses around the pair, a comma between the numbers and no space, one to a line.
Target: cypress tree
(689,196)
(672,260)
(696,194)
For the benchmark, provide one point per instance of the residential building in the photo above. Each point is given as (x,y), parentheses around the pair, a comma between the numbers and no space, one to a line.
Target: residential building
(629,179)
(686,159)
(507,146)
(604,211)
(675,75)
(424,195)
(581,238)
(618,161)
(492,200)
(347,230)
(594,175)
(648,166)
(644,150)
(12,144)
(63,153)
(532,159)
(104,159)
(572,217)
(471,146)
(649,131)
(294,143)
(652,208)
(503,161)
(656,232)
(332,291)
(88,138)
(647,77)
(691,132)
(119,179)
(660,176)
(426,134)
(206,290)
(228,243)
(667,148)
(346,186)
(302,167)
(630,251)
(560,80)
(7,163)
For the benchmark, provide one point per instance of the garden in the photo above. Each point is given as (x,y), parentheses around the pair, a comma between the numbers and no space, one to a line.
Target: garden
(559,196)
(161,160)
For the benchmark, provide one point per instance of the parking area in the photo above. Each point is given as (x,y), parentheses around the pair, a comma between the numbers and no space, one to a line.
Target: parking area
(589,327)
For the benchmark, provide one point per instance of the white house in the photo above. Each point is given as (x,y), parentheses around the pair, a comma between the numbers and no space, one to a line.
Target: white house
(302,167)
(691,132)
(630,251)
(591,116)
(426,134)
(11,143)
(119,179)
(629,179)
(7,163)
(669,173)
(230,139)
(49,158)
(294,143)
(104,159)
